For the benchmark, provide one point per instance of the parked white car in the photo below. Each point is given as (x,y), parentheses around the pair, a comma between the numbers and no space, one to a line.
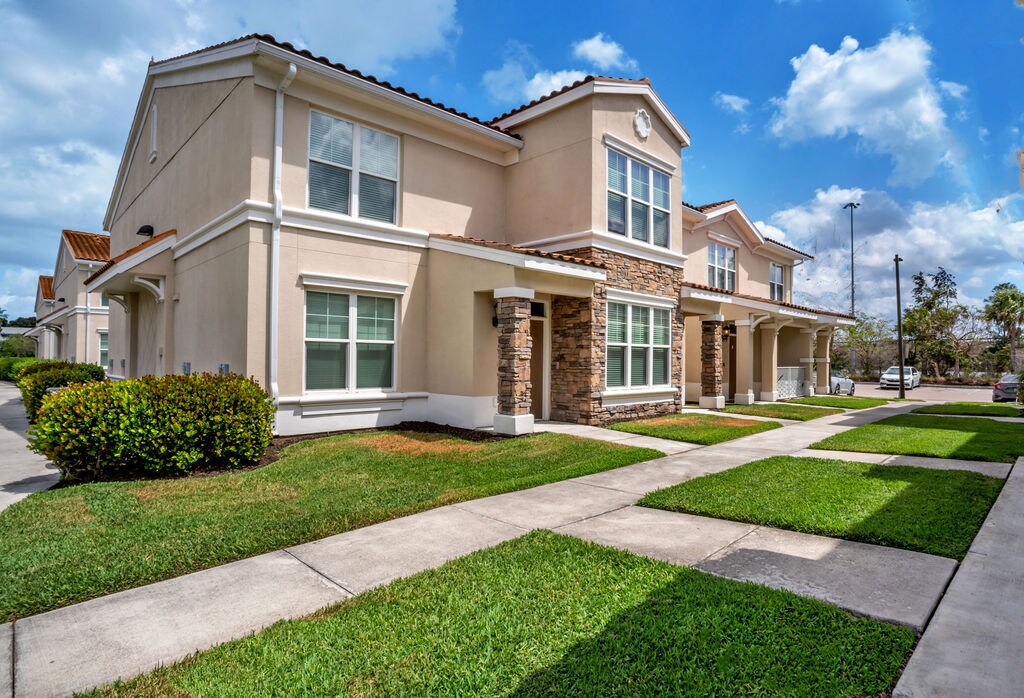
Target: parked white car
(891,378)
(842,383)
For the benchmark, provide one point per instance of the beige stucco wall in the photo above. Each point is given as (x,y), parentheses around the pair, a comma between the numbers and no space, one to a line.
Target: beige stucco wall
(752,268)
(204,155)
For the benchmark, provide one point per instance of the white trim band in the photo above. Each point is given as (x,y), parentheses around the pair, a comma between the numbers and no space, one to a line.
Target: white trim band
(620,295)
(394,288)
(637,154)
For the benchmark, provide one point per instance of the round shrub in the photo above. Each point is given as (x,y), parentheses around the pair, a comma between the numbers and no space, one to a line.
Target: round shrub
(172,425)
(39,365)
(34,386)
(11,366)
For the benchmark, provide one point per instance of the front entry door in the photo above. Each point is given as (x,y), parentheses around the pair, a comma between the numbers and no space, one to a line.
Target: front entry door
(538,398)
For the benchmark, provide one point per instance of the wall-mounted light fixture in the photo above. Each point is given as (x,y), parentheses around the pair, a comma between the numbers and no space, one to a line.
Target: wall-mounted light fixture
(61,299)
(494,317)
(146,230)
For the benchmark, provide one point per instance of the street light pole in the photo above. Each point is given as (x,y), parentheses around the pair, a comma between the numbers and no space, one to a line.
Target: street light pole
(899,325)
(853,283)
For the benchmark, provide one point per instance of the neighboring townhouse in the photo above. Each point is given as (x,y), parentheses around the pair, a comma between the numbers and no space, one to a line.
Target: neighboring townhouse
(371,256)
(71,323)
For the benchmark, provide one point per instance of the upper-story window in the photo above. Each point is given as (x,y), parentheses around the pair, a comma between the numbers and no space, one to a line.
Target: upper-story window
(721,266)
(638,200)
(104,300)
(353,169)
(777,282)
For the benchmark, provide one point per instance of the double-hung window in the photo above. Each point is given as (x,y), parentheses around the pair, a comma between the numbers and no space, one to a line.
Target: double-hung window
(777,283)
(104,349)
(721,266)
(639,346)
(350,341)
(353,169)
(638,200)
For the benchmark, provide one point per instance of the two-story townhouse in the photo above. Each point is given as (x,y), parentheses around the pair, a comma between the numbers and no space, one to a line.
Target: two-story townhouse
(71,321)
(371,256)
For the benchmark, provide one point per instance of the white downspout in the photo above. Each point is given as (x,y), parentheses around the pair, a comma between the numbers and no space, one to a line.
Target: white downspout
(88,313)
(275,232)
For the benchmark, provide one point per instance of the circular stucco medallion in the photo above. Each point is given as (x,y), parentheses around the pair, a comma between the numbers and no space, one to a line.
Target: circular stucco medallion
(642,124)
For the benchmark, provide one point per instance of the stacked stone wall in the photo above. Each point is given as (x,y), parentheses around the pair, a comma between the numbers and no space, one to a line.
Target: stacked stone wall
(514,348)
(578,327)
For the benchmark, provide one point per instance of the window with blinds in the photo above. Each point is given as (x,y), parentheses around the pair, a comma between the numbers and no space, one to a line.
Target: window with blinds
(353,169)
(639,200)
(104,350)
(350,341)
(638,346)
(777,283)
(721,266)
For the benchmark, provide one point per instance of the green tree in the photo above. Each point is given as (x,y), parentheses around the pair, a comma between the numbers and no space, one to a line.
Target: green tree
(25,321)
(3,317)
(931,322)
(18,345)
(872,340)
(1005,309)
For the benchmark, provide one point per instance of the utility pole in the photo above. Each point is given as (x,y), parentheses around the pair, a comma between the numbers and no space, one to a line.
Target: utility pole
(899,325)
(853,283)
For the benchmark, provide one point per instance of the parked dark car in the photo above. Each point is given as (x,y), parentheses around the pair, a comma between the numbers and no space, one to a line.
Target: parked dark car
(1006,388)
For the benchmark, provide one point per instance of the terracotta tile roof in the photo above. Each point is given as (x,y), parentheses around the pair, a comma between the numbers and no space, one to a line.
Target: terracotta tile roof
(46,287)
(704,287)
(562,90)
(129,252)
(704,208)
(88,246)
(267,38)
(532,251)
(789,247)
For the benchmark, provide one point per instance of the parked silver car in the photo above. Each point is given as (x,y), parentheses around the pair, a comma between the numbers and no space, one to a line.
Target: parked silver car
(1005,389)
(842,383)
(891,378)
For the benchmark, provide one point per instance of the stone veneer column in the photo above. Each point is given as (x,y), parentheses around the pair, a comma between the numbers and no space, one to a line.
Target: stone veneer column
(744,389)
(808,361)
(711,396)
(769,363)
(823,361)
(514,349)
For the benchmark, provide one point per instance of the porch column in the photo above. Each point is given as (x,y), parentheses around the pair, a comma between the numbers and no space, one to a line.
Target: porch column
(807,360)
(711,395)
(512,308)
(744,394)
(823,361)
(769,362)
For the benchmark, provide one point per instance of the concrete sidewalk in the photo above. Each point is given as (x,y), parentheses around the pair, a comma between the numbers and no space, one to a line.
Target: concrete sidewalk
(974,645)
(131,632)
(22,472)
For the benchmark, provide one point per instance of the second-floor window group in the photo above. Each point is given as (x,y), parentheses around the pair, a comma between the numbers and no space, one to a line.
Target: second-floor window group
(721,266)
(638,200)
(352,169)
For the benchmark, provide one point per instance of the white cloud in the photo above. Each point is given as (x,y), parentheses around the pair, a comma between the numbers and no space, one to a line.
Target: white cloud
(953,89)
(980,244)
(519,79)
(883,94)
(604,53)
(983,134)
(732,103)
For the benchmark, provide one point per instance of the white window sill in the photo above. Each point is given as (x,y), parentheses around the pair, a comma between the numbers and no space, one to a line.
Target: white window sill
(314,397)
(659,393)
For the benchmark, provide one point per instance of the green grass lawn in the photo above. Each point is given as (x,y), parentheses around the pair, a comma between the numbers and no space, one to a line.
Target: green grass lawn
(977,409)
(67,545)
(846,402)
(798,412)
(930,511)
(547,615)
(703,429)
(965,438)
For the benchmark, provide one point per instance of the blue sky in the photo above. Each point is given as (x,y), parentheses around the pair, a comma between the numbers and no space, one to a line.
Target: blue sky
(913,109)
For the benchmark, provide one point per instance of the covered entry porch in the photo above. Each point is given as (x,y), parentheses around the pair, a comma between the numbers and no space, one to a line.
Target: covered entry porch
(743,350)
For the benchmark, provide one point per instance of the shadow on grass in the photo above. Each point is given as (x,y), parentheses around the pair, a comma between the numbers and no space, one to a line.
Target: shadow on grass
(695,638)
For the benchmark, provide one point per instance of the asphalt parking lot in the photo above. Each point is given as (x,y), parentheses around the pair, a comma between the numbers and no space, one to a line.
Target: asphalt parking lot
(938,393)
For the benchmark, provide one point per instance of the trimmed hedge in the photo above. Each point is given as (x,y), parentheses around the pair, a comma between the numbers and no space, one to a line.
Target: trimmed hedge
(10,366)
(39,365)
(34,384)
(172,425)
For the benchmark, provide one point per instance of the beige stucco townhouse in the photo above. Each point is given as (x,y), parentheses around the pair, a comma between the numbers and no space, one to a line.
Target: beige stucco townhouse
(71,322)
(371,256)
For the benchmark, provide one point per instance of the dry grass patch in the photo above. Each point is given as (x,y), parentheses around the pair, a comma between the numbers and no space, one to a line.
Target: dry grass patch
(413,444)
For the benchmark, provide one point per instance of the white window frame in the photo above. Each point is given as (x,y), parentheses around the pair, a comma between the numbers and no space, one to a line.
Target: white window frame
(103,334)
(629,345)
(628,194)
(350,360)
(777,289)
(353,203)
(730,274)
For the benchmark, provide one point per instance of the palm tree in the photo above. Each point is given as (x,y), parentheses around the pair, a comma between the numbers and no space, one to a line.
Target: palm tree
(3,317)
(1005,307)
